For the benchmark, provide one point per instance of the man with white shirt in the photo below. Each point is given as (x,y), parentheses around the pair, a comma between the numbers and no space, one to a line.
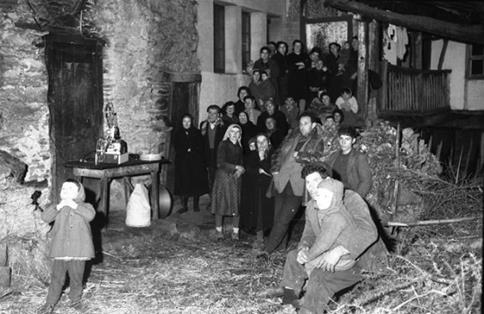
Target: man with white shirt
(213,131)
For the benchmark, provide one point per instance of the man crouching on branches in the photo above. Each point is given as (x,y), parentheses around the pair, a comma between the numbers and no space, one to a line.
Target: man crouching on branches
(329,252)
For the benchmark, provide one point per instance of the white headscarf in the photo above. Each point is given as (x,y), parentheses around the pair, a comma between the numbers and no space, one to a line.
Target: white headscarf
(227,132)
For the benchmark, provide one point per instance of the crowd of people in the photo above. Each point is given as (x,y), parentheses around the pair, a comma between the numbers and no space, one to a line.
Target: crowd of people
(261,158)
(266,154)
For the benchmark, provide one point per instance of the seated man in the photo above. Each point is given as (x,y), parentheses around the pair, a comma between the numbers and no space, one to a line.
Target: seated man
(328,255)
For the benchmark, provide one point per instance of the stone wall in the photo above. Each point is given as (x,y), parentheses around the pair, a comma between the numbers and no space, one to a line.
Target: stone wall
(144,39)
(24,122)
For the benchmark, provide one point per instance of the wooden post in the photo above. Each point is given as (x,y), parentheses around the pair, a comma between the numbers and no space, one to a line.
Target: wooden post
(362,73)
(374,65)
(442,54)
(383,90)
(417,51)
(397,161)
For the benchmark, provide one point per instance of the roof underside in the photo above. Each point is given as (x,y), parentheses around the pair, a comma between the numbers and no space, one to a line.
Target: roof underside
(461,12)
(461,21)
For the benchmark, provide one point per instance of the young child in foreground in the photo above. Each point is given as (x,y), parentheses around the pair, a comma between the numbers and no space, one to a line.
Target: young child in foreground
(71,243)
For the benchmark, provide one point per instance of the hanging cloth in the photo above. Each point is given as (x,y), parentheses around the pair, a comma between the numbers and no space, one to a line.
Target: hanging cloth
(390,44)
(402,42)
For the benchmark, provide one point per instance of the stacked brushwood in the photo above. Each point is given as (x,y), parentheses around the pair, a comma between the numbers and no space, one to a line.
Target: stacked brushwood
(395,168)
(405,176)
(407,184)
(407,181)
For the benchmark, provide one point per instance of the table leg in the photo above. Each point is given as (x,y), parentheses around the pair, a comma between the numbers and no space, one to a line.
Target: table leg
(103,206)
(127,189)
(155,190)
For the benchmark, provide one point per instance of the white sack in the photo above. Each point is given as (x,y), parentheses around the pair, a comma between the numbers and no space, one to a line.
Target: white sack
(138,210)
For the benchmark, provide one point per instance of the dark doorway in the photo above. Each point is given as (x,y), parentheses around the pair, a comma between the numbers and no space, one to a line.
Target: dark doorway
(74,66)
(184,100)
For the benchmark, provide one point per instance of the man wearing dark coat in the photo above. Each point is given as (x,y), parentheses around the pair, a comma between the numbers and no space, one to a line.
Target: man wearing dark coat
(288,186)
(349,165)
(213,131)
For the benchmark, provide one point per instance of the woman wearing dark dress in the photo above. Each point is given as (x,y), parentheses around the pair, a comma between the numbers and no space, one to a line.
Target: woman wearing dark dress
(240,103)
(248,130)
(276,136)
(272,111)
(296,62)
(228,179)
(228,113)
(318,80)
(190,166)
(257,211)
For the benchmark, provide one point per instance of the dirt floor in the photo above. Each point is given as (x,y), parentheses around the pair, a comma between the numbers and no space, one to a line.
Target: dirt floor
(175,266)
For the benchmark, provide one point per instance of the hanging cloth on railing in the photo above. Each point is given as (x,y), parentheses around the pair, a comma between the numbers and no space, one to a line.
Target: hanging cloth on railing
(395,40)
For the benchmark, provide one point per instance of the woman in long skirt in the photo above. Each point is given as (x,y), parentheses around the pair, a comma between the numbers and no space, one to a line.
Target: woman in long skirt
(257,212)
(190,166)
(227,184)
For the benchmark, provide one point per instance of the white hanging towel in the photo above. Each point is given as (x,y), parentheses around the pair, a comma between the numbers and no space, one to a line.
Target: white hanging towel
(390,44)
(395,41)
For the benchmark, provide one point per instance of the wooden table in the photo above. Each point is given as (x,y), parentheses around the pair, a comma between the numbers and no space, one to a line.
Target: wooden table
(107,172)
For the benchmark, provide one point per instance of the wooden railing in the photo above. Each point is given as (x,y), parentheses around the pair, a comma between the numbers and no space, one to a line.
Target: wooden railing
(412,92)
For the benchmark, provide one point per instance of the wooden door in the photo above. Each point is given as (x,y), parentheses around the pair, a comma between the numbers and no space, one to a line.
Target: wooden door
(184,100)
(75,101)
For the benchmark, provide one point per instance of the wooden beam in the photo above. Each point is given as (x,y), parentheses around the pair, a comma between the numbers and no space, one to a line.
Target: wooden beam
(430,222)
(417,51)
(374,49)
(458,32)
(442,54)
(362,70)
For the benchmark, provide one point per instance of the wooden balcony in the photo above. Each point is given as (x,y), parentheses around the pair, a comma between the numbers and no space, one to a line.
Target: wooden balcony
(413,93)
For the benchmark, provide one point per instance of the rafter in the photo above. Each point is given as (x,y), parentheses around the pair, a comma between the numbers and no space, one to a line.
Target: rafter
(454,31)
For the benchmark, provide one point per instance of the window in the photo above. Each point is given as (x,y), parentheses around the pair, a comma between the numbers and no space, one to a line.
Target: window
(475,63)
(245,40)
(218,38)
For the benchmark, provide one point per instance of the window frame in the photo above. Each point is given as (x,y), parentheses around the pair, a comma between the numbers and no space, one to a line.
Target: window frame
(246,40)
(469,59)
(218,38)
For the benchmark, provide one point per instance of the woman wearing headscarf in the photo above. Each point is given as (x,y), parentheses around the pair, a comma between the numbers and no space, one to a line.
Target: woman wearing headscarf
(190,166)
(228,179)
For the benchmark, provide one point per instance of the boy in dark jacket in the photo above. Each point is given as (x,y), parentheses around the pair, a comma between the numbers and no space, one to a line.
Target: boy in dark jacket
(349,165)
(71,243)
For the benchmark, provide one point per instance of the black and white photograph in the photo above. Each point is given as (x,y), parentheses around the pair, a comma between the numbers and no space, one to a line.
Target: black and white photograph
(241,156)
